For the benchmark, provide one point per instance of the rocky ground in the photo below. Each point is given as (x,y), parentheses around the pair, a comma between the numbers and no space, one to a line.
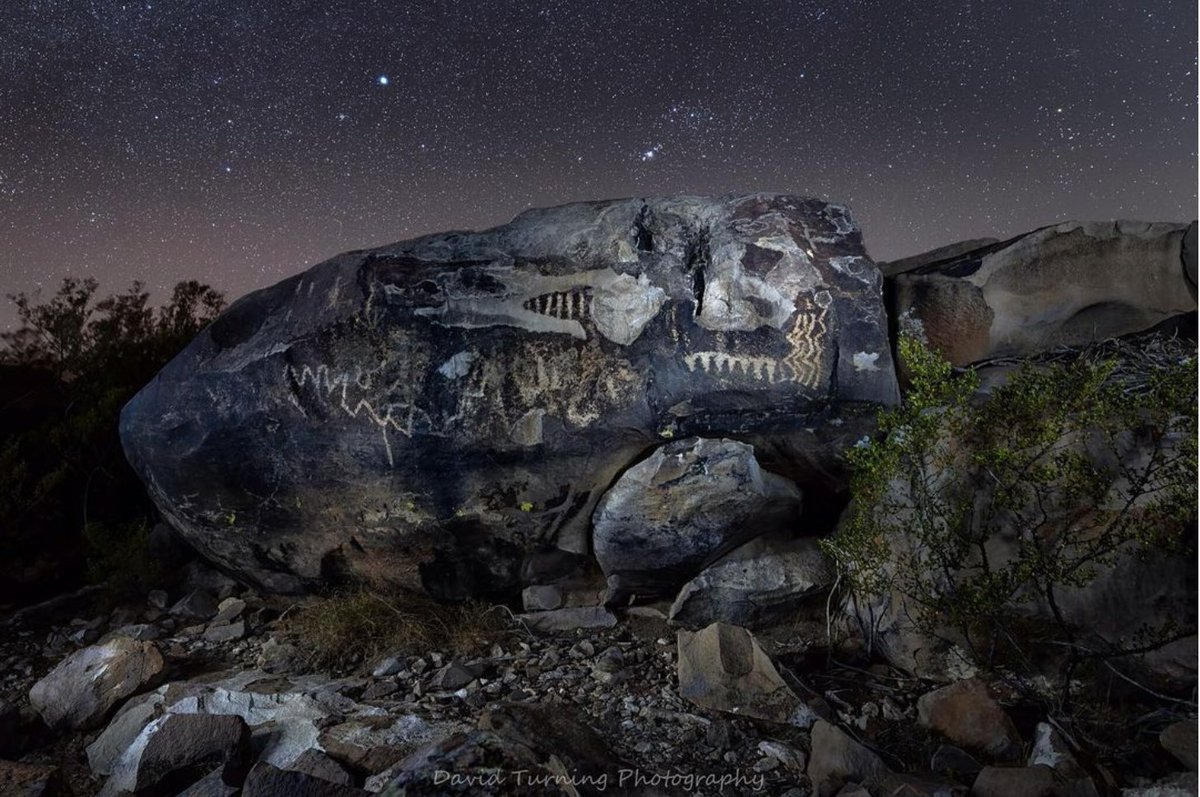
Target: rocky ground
(205,692)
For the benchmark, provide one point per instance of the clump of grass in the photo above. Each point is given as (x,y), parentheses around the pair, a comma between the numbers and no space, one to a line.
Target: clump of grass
(346,629)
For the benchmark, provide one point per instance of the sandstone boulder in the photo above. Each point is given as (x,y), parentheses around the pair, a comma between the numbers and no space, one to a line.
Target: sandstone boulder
(966,714)
(85,686)
(690,502)
(756,584)
(432,412)
(1067,284)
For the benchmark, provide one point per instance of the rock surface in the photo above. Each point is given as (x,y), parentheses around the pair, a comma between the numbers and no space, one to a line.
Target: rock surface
(1179,739)
(966,714)
(837,760)
(689,503)
(86,685)
(722,667)
(431,412)
(1066,284)
(754,585)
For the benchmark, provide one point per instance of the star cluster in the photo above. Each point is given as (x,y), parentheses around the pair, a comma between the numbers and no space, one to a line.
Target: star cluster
(238,142)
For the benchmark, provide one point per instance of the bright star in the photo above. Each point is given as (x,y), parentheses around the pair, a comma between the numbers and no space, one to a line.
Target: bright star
(383,80)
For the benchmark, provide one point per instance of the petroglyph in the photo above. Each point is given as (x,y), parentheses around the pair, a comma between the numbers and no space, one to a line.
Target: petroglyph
(620,305)
(345,388)
(567,305)
(808,337)
(802,364)
(717,363)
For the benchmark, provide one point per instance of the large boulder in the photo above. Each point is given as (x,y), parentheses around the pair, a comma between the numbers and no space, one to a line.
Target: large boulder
(686,505)
(436,411)
(85,686)
(1068,284)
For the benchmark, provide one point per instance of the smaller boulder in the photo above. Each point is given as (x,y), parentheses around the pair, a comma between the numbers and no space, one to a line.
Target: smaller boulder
(541,598)
(955,762)
(86,685)
(269,781)
(723,668)
(1179,739)
(965,713)
(1035,781)
(452,676)
(199,604)
(180,749)
(314,762)
(687,504)
(836,760)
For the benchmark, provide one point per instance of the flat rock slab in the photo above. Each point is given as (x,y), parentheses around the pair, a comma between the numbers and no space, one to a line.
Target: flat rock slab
(86,685)
(722,667)
(433,412)
(559,621)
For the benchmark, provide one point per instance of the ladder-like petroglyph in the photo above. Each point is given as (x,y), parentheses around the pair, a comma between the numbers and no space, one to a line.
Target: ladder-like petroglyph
(565,305)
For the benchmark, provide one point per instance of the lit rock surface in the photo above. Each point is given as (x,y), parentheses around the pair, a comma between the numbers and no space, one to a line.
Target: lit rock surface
(687,504)
(86,685)
(1067,284)
(432,412)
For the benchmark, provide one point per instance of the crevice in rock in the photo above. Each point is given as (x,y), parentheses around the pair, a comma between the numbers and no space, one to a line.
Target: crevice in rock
(643,236)
(696,259)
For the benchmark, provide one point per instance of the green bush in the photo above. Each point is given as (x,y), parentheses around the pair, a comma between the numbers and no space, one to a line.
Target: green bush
(1085,459)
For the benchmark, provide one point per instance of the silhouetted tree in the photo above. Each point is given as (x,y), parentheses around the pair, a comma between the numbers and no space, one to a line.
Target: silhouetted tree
(65,373)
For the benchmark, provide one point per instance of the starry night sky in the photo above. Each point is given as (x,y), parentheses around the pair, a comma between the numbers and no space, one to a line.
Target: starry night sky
(238,142)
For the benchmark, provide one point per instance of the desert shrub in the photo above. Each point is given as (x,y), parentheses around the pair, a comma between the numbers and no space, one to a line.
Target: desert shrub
(1074,462)
(349,628)
(119,557)
(66,491)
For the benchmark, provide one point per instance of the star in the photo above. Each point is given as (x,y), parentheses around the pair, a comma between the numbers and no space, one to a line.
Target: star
(382,80)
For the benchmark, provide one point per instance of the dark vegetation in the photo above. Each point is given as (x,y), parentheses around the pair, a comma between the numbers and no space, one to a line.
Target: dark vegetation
(345,629)
(71,508)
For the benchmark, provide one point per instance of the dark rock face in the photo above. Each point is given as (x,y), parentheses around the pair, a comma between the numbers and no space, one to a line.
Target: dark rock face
(755,585)
(1068,284)
(436,411)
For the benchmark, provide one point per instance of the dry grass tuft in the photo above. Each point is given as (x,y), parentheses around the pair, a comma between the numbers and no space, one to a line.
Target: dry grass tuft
(351,628)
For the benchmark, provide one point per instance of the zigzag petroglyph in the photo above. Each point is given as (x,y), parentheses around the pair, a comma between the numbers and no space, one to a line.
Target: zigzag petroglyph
(801,365)
(807,337)
(402,417)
